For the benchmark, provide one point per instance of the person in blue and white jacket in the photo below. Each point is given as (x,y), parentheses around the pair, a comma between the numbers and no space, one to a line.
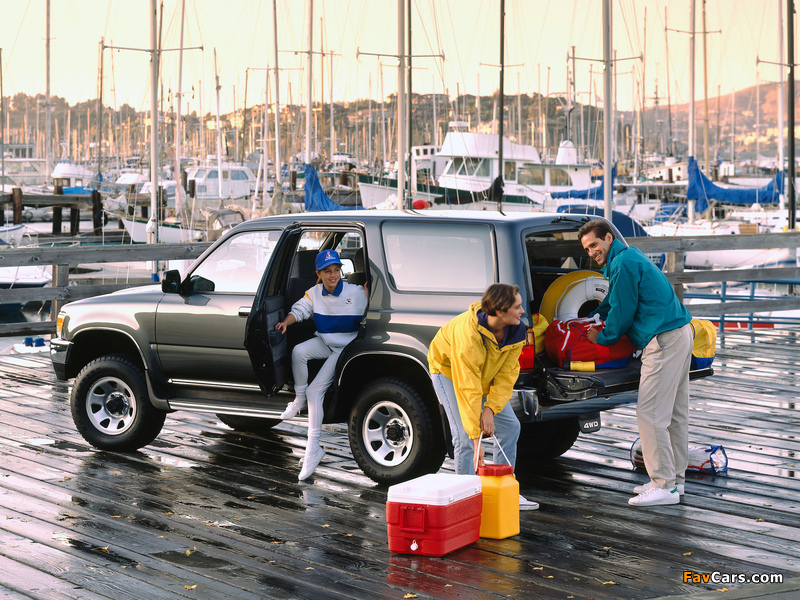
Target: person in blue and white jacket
(337,308)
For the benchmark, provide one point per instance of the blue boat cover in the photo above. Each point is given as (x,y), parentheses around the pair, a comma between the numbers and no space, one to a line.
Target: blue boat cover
(701,189)
(315,198)
(627,226)
(595,193)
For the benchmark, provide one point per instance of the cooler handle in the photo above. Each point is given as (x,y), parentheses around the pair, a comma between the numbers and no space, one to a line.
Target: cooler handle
(477,449)
(415,527)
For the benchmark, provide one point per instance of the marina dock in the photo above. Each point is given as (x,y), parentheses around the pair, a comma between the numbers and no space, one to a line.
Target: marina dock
(206,512)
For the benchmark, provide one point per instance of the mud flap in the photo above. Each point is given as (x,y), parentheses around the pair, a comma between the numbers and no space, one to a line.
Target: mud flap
(589,422)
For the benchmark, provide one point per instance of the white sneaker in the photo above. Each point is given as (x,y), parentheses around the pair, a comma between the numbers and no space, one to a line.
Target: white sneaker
(656,497)
(294,407)
(525,504)
(649,486)
(310,463)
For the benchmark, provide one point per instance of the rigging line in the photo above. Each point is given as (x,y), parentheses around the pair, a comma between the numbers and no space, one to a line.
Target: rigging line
(108,16)
(19,31)
(541,34)
(572,22)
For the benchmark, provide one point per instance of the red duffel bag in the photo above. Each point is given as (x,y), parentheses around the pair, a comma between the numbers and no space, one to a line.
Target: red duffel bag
(568,347)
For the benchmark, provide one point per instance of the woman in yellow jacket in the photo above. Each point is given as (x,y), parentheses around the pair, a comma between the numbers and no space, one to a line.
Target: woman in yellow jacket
(474,363)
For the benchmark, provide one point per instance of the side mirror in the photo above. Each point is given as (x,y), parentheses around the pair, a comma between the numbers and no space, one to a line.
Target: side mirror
(171,283)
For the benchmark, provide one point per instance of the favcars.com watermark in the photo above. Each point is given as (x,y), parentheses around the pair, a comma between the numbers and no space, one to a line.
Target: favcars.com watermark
(719,578)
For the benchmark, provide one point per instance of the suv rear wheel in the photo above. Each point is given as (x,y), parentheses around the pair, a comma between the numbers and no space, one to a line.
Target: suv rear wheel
(111,407)
(392,434)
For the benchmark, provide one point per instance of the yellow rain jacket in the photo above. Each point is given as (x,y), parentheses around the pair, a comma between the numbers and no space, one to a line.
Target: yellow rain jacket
(468,354)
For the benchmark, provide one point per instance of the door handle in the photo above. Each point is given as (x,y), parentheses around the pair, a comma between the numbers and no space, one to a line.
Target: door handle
(244,311)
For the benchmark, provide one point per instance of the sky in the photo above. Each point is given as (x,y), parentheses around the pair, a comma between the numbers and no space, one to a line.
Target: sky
(238,36)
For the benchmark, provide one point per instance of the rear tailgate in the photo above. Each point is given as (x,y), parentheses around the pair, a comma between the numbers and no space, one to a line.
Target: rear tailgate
(566,386)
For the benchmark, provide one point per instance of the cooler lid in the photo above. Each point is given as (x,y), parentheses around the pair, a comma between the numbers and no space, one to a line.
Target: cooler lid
(436,488)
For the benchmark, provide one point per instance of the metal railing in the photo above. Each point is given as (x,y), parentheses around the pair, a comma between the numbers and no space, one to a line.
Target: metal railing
(60,291)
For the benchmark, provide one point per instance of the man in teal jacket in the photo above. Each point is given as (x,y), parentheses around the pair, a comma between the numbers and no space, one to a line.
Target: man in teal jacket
(642,305)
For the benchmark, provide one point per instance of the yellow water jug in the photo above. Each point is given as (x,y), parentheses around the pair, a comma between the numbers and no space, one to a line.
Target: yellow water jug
(500,514)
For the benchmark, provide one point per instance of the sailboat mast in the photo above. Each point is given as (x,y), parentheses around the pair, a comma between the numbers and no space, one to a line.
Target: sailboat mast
(669,97)
(3,125)
(152,229)
(219,133)
(48,136)
(277,99)
(309,97)
(401,107)
(781,90)
(500,94)
(177,175)
(607,160)
(790,113)
(705,88)
(692,132)
(100,115)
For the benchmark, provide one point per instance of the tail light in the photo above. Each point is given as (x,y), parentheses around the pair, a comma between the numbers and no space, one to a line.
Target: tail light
(528,355)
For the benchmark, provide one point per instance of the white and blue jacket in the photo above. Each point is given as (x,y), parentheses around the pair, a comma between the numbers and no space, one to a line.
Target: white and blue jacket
(337,315)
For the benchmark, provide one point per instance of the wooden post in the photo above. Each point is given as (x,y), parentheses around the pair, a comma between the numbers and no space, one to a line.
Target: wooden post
(675,264)
(74,221)
(97,213)
(61,280)
(16,200)
(57,211)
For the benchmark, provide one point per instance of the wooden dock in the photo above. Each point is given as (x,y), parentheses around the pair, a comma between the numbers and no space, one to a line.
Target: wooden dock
(205,512)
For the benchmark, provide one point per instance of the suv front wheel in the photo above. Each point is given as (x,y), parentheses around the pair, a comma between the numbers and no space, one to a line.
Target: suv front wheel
(392,434)
(111,407)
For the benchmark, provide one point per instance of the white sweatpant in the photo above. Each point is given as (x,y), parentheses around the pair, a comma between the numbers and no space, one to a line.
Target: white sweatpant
(314,348)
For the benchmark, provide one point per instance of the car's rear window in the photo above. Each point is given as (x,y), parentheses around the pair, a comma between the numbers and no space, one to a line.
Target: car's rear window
(439,257)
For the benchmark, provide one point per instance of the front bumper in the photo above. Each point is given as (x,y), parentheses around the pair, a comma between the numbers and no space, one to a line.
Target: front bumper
(59,354)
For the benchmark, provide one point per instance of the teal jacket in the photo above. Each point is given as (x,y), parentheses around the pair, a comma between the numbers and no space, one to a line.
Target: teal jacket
(640,302)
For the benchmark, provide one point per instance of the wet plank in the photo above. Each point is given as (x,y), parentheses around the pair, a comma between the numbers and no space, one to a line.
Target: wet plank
(208,512)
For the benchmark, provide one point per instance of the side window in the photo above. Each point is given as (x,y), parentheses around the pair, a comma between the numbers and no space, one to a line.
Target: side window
(531,175)
(302,273)
(236,266)
(510,173)
(559,177)
(484,169)
(437,257)
(213,175)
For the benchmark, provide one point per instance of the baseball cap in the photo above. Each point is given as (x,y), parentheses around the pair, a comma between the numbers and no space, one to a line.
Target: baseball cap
(327,257)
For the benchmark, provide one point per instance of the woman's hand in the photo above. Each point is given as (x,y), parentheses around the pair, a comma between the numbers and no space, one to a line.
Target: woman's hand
(282,325)
(487,422)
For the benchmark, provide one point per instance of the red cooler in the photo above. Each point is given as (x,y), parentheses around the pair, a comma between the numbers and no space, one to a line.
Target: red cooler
(434,514)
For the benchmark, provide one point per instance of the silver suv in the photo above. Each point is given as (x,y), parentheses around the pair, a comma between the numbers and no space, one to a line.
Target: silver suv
(205,341)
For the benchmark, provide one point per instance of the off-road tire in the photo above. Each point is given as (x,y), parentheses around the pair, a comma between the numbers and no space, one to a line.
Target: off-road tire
(392,432)
(111,407)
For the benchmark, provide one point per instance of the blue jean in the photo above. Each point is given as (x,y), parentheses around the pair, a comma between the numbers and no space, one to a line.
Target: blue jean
(506,428)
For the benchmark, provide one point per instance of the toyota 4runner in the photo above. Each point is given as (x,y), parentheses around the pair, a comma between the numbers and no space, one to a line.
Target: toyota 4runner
(205,341)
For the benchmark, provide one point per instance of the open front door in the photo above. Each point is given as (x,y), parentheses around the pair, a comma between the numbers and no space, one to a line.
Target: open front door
(266,346)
